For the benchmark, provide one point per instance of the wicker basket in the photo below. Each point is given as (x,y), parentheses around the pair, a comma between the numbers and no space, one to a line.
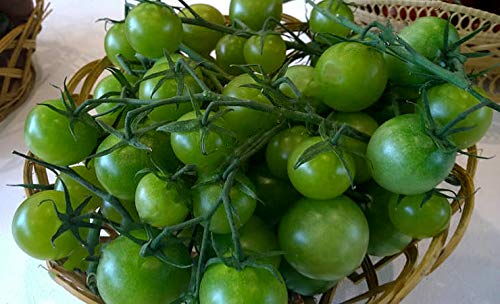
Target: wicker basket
(413,271)
(18,78)
(465,19)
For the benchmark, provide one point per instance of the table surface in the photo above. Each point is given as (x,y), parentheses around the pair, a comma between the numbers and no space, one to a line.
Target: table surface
(71,38)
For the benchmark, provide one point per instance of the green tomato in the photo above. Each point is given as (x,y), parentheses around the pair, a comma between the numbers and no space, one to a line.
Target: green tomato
(201,39)
(419,218)
(229,52)
(160,203)
(269,52)
(280,147)
(365,124)
(351,76)
(324,239)
(301,284)
(385,238)
(123,276)
(36,221)
(222,284)
(116,43)
(323,177)
(446,102)
(243,121)
(153,28)
(48,135)
(405,159)
(205,197)
(77,192)
(112,214)
(256,237)
(255,13)
(319,23)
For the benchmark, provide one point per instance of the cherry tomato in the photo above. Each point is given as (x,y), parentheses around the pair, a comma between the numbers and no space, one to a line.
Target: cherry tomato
(269,52)
(201,39)
(36,221)
(48,135)
(405,159)
(323,177)
(419,218)
(222,284)
(116,43)
(280,147)
(302,284)
(324,239)
(351,76)
(77,192)
(160,203)
(255,13)
(319,23)
(205,197)
(447,101)
(123,276)
(229,53)
(152,29)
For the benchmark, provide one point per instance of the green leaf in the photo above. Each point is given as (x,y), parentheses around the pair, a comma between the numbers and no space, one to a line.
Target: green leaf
(313,151)
(181,126)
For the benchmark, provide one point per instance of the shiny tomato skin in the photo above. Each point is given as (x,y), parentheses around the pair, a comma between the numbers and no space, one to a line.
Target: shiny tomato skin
(222,285)
(116,43)
(405,159)
(268,52)
(229,53)
(123,276)
(324,239)
(320,23)
(153,28)
(34,223)
(200,39)
(323,177)
(351,76)
(255,13)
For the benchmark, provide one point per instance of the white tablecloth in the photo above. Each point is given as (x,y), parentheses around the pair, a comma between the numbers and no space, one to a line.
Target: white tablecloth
(71,38)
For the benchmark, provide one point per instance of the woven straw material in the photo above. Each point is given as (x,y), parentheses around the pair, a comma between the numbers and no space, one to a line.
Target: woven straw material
(412,273)
(465,19)
(18,78)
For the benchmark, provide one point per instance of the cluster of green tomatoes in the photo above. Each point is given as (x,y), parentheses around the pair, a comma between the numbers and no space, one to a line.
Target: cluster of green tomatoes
(234,174)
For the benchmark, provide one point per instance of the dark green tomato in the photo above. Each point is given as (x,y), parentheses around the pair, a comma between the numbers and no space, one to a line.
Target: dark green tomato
(385,239)
(255,13)
(207,196)
(390,105)
(363,123)
(302,77)
(447,102)
(112,214)
(426,36)
(324,239)
(275,195)
(222,285)
(187,146)
(405,159)
(319,23)
(152,29)
(201,39)
(323,177)
(256,237)
(118,170)
(419,218)
(77,192)
(301,284)
(36,221)
(243,121)
(160,203)
(48,135)
(167,90)
(123,276)
(281,146)
(351,76)
(269,52)
(116,43)
(229,51)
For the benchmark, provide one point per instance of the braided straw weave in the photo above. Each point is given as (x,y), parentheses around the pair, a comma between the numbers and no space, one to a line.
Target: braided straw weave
(413,271)
(17,81)
(465,19)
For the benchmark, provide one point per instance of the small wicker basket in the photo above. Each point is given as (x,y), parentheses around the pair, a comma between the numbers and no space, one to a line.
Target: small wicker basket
(465,19)
(18,78)
(414,268)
